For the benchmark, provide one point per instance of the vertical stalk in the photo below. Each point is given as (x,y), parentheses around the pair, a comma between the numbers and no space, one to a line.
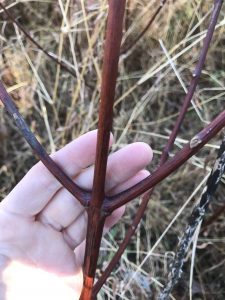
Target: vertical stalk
(96,217)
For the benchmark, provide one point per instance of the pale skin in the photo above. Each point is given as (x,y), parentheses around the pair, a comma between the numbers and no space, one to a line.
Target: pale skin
(43,227)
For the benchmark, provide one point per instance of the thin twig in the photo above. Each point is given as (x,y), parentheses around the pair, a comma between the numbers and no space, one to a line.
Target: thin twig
(195,219)
(142,33)
(196,143)
(195,76)
(56,60)
(82,196)
(187,100)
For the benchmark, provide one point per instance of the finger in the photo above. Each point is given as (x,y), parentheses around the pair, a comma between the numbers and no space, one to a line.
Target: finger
(139,176)
(121,166)
(118,213)
(76,232)
(35,190)
(73,232)
(63,210)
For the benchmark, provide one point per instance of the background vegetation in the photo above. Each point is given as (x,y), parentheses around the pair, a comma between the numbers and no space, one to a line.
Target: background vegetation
(60,107)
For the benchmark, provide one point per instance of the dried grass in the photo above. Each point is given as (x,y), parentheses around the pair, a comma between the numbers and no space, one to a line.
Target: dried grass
(148,97)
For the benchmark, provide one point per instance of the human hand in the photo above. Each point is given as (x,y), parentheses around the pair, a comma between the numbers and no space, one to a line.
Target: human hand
(43,228)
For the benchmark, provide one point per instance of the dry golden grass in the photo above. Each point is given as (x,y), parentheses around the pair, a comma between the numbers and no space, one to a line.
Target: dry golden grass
(59,108)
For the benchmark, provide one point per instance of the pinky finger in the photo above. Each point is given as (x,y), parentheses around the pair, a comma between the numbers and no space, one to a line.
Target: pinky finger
(139,176)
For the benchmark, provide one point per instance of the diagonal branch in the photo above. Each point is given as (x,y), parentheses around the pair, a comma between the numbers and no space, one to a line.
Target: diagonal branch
(130,232)
(196,143)
(56,60)
(67,182)
(142,33)
(195,77)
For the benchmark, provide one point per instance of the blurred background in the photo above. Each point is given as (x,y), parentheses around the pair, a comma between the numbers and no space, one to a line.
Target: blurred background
(59,107)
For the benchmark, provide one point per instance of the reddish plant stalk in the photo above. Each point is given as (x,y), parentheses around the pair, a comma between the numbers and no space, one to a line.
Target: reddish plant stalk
(196,75)
(142,33)
(146,197)
(56,60)
(82,196)
(96,217)
(170,166)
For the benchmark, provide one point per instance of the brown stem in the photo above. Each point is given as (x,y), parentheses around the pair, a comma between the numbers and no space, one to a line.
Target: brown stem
(82,196)
(195,78)
(110,69)
(142,33)
(56,60)
(146,197)
(170,166)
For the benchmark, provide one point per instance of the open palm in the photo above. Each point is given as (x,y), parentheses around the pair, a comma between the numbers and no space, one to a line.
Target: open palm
(43,228)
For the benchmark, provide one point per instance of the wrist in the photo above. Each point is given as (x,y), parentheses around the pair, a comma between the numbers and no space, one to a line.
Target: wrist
(22,281)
